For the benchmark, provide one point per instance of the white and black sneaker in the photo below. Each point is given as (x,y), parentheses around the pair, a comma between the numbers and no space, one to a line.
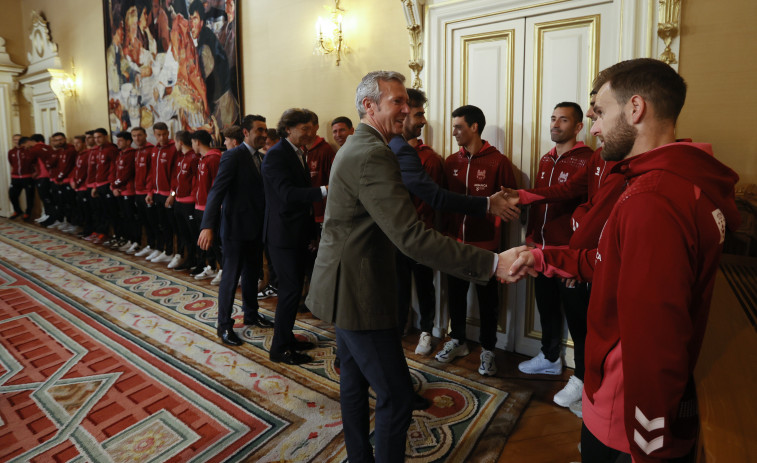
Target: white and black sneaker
(268,291)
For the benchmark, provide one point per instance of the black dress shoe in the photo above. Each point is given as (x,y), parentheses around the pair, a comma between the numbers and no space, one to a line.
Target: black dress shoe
(228,336)
(420,402)
(258,321)
(290,357)
(301,345)
(188,265)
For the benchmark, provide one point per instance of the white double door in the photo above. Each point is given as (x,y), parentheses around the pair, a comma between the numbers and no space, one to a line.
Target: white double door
(516,66)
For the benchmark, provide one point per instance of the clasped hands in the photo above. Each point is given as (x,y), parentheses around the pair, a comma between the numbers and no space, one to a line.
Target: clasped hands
(504,204)
(514,264)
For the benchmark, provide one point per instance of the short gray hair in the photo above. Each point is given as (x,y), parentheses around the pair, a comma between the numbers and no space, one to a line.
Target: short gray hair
(369,87)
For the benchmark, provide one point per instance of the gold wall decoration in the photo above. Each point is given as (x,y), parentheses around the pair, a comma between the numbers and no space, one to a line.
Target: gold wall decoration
(414,20)
(668,25)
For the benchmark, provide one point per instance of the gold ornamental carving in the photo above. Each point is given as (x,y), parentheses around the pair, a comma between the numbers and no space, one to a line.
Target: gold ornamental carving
(414,20)
(668,27)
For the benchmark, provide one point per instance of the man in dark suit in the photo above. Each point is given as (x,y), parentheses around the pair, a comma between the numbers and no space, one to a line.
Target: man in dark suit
(369,216)
(290,227)
(238,186)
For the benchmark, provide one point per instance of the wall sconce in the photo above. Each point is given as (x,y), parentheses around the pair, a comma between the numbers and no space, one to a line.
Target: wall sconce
(329,38)
(62,83)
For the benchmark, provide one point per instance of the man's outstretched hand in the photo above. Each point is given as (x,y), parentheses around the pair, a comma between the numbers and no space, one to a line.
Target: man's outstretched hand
(514,264)
(503,205)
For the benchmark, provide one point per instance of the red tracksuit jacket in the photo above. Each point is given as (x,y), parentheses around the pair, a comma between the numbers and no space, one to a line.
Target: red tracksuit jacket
(125,172)
(105,156)
(163,168)
(550,224)
(79,174)
(207,168)
(22,163)
(653,278)
(320,158)
(479,175)
(186,178)
(66,161)
(142,162)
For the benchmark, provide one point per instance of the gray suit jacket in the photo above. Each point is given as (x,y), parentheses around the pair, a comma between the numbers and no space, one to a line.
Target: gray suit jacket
(368,217)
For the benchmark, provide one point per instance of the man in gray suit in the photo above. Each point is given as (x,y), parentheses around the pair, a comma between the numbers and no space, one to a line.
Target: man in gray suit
(369,216)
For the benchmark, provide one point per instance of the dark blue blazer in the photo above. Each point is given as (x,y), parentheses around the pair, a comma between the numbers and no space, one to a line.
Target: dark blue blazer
(289,221)
(418,182)
(238,186)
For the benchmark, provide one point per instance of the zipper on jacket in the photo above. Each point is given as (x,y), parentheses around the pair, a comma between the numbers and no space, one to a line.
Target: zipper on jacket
(467,174)
(546,208)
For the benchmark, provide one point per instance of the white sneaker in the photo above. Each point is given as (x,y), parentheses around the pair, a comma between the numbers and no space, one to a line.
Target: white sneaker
(155,253)
(144,252)
(575,407)
(488,367)
(217,279)
(133,248)
(570,393)
(451,350)
(539,365)
(125,246)
(206,273)
(175,261)
(55,225)
(424,344)
(42,218)
(162,257)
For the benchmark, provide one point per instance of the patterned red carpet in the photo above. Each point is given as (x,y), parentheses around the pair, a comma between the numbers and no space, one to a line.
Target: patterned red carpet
(104,359)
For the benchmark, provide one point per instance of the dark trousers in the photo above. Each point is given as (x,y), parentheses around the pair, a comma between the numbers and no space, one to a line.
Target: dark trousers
(66,202)
(17,186)
(105,210)
(241,258)
(550,294)
(576,305)
(58,208)
(146,219)
(548,303)
(290,265)
(84,211)
(374,358)
(165,224)
(212,256)
(43,190)
(488,305)
(129,224)
(187,230)
(424,288)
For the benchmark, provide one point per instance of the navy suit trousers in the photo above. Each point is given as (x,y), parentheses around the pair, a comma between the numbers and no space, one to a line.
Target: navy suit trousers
(374,358)
(240,258)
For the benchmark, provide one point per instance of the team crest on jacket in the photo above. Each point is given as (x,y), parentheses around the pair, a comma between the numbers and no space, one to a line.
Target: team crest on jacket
(717,214)
(480,175)
(454,172)
(563,177)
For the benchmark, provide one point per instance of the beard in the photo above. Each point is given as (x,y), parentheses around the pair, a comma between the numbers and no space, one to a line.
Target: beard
(618,143)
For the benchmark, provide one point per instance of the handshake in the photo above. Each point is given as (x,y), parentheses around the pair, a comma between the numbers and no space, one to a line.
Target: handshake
(504,204)
(514,264)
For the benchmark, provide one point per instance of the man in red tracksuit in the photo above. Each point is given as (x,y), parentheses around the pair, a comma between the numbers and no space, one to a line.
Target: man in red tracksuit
(478,169)
(123,190)
(162,171)
(320,156)
(23,170)
(145,214)
(549,226)
(64,198)
(77,181)
(584,183)
(653,271)
(182,201)
(207,168)
(91,184)
(43,155)
(105,210)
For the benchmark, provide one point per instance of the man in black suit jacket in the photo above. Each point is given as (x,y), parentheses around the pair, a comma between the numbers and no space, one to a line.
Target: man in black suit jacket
(239,187)
(289,227)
